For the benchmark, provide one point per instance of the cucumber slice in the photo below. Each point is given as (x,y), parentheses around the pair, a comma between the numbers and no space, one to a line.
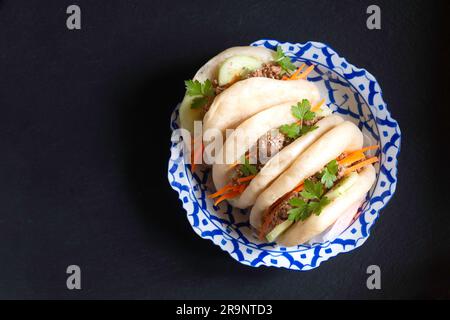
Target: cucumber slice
(236,67)
(342,186)
(279,229)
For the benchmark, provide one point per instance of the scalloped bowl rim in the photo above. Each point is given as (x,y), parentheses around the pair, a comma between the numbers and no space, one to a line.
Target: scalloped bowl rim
(391,186)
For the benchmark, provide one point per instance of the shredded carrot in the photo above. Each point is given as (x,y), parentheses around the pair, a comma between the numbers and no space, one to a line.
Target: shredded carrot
(356,155)
(231,191)
(299,187)
(304,74)
(221,191)
(374,147)
(318,105)
(227,196)
(352,157)
(361,164)
(295,74)
(245,179)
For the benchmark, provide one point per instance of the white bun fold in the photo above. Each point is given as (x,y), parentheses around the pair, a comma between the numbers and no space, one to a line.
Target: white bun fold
(248,97)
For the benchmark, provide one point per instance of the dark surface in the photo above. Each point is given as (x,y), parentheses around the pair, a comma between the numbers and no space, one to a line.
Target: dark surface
(84,144)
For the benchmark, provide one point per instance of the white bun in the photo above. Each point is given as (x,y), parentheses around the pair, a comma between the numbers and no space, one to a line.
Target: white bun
(248,97)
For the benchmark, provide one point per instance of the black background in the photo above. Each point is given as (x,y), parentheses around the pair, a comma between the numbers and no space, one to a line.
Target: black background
(84,145)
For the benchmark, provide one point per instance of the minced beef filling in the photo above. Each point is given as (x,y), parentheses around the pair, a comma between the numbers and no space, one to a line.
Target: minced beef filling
(269,145)
(265,148)
(312,122)
(219,89)
(279,213)
(268,70)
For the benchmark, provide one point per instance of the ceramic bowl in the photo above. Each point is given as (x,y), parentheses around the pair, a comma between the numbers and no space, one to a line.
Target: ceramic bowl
(351,92)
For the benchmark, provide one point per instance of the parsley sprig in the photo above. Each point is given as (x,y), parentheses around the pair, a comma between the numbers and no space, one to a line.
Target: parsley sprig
(312,199)
(316,201)
(290,130)
(302,111)
(329,174)
(300,211)
(202,92)
(248,169)
(312,190)
(284,61)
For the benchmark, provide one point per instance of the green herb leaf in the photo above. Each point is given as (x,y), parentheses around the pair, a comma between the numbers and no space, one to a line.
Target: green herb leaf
(296,202)
(252,169)
(196,88)
(290,130)
(294,214)
(332,167)
(316,207)
(300,211)
(315,202)
(202,91)
(329,174)
(244,171)
(193,87)
(284,61)
(302,111)
(312,190)
(306,129)
(199,102)
(294,130)
(247,168)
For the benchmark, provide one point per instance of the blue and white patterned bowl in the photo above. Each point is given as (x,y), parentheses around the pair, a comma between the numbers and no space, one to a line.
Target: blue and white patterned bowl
(352,92)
